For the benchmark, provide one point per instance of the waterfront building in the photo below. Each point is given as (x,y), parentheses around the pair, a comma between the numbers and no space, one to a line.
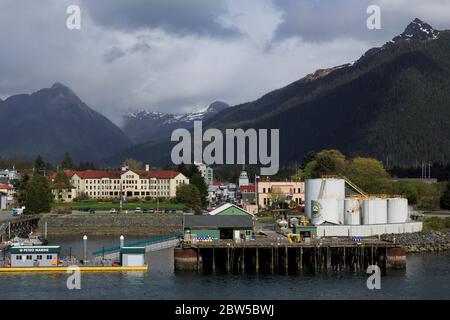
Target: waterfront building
(34,256)
(125,183)
(132,256)
(292,190)
(226,222)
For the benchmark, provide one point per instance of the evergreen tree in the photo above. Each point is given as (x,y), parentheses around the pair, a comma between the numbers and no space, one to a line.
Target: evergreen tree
(39,165)
(189,195)
(67,163)
(197,180)
(38,196)
(445,198)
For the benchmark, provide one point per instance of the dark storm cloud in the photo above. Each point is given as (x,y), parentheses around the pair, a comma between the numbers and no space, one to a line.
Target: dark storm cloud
(325,20)
(180,17)
(175,55)
(113,54)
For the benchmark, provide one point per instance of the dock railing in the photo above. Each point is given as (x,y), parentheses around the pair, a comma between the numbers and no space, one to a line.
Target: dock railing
(141,243)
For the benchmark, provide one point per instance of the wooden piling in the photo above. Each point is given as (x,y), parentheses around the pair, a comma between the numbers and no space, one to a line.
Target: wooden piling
(214,259)
(257,261)
(286,258)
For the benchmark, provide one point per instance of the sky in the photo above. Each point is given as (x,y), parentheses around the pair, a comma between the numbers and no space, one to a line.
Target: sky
(178,56)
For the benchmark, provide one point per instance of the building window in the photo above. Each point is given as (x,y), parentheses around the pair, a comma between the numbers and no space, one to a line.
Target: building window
(39,257)
(49,257)
(29,257)
(19,257)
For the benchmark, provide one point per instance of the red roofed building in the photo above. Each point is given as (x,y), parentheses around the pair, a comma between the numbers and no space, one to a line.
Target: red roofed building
(6,195)
(101,184)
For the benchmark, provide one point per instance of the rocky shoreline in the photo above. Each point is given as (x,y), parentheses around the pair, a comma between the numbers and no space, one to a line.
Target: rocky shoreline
(431,241)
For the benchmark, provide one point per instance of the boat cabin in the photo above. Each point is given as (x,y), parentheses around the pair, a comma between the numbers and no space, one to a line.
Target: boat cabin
(34,256)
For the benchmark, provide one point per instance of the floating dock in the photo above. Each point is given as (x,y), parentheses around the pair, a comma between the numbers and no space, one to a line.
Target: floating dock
(71,268)
(254,257)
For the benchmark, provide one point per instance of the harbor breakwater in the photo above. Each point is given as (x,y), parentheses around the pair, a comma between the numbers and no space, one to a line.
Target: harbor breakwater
(103,224)
(430,241)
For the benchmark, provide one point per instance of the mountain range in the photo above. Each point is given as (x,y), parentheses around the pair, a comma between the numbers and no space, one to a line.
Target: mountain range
(54,120)
(392,104)
(141,126)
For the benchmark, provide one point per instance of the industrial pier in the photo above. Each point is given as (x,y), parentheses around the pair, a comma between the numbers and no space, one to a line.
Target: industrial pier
(254,257)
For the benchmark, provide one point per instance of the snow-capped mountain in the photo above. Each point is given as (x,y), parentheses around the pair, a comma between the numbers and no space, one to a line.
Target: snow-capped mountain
(143,125)
(417,30)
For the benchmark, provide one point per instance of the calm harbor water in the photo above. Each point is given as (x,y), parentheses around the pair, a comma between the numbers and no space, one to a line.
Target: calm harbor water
(427,277)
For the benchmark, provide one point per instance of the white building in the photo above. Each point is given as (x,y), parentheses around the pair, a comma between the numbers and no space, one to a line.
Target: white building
(100,184)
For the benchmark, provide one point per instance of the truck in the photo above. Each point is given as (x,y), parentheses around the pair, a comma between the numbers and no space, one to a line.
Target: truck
(17,211)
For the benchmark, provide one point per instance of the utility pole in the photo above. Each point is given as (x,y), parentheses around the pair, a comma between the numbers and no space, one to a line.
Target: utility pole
(429,169)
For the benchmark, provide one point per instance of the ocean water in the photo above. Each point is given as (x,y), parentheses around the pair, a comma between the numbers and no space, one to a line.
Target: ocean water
(427,276)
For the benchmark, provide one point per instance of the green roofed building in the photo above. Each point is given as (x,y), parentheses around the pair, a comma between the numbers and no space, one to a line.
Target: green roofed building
(225,223)
(132,256)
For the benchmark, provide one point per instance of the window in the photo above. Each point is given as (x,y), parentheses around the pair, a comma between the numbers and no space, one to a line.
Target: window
(19,257)
(49,257)
(29,257)
(39,257)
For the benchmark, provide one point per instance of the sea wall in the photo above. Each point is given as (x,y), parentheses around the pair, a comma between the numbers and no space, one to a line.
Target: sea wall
(421,241)
(95,224)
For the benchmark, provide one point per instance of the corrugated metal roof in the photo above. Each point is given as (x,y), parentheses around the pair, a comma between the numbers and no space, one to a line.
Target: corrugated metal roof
(192,221)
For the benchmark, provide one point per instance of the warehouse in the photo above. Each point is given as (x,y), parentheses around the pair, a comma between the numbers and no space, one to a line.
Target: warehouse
(215,227)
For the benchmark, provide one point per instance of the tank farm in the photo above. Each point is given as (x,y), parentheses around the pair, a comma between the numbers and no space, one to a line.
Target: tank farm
(347,239)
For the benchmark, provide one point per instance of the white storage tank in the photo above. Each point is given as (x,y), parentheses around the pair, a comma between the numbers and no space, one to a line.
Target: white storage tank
(333,189)
(397,210)
(352,212)
(324,210)
(374,211)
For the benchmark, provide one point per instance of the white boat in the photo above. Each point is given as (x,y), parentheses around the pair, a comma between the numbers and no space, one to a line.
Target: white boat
(34,239)
(16,242)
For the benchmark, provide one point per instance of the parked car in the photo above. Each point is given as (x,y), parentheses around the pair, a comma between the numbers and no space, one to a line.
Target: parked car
(145,210)
(113,211)
(92,211)
(138,210)
(151,211)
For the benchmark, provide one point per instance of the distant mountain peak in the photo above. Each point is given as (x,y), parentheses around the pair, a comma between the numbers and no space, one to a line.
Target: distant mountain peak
(217,106)
(145,125)
(62,89)
(415,30)
(418,29)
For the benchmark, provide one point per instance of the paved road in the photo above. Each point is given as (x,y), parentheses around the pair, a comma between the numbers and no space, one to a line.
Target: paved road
(439,214)
(6,215)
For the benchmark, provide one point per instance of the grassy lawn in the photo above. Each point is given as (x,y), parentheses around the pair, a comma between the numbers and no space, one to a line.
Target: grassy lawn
(435,223)
(109,205)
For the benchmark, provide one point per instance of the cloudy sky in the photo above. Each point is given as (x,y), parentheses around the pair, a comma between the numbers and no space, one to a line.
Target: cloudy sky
(180,55)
